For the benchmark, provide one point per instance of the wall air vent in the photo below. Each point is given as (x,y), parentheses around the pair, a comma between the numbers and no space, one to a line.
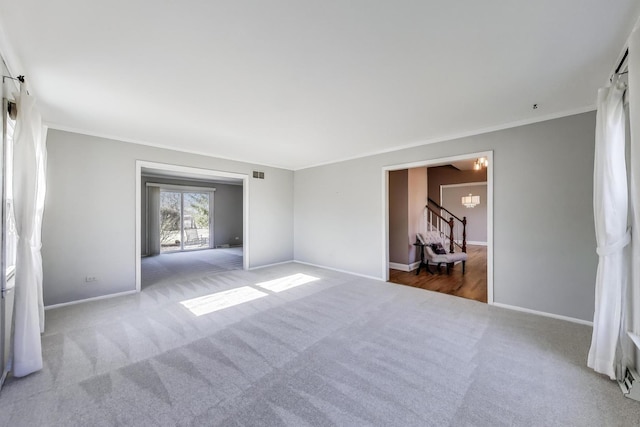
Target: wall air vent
(258,175)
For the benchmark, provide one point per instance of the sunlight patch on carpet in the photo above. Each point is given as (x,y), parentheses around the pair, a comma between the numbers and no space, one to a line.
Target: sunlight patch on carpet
(221,300)
(288,282)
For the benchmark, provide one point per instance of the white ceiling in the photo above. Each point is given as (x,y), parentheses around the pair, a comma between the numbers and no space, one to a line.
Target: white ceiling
(296,83)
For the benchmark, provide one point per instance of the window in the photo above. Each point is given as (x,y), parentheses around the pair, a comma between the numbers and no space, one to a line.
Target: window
(185,220)
(11,238)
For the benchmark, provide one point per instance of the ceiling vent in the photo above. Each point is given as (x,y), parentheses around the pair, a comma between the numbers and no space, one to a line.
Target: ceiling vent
(258,175)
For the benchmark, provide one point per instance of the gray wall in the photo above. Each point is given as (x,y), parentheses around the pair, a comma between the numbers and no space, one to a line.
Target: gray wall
(476,216)
(544,257)
(89,219)
(227,210)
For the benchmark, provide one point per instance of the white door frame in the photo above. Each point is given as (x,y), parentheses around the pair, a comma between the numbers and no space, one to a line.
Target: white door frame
(189,170)
(434,162)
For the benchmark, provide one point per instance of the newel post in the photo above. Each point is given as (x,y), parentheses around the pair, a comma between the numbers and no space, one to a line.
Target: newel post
(464,234)
(451,235)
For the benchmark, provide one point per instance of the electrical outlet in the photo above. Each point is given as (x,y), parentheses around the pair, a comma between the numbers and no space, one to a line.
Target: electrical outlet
(90,279)
(237,238)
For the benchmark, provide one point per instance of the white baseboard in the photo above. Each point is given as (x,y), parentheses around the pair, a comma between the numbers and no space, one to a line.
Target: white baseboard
(270,265)
(473,242)
(80,301)
(339,270)
(543,313)
(404,267)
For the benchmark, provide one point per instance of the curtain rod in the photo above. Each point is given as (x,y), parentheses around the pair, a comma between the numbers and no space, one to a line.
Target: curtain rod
(620,65)
(19,78)
(624,57)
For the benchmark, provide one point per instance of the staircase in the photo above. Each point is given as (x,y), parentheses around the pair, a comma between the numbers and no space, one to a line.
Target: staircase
(453,229)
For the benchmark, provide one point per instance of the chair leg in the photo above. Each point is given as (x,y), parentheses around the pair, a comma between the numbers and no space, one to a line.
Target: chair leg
(426,265)
(463,266)
(449,264)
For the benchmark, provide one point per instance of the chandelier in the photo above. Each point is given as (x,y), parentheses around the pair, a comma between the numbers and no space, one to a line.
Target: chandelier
(480,163)
(470,201)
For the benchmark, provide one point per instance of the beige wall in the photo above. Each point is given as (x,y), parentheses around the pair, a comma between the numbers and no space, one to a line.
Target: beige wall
(441,175)
(417,199)
(398,216)
(407,198)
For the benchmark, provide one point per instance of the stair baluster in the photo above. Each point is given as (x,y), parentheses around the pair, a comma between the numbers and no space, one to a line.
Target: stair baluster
(452,233)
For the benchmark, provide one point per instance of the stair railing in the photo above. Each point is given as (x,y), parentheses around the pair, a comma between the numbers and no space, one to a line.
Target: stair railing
(441,223)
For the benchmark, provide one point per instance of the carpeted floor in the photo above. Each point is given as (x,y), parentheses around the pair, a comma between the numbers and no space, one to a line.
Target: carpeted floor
(308,347)
(166,268)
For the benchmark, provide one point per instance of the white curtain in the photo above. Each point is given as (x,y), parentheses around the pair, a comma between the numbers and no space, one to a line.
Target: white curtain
(29,160)
(153,220)
(610,203)
(633,324)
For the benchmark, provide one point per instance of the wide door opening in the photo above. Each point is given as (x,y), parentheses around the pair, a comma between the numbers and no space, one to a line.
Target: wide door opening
(189,222)
(439,222)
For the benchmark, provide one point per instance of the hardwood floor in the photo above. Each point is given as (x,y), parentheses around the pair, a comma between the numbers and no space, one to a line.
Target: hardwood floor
(471,285)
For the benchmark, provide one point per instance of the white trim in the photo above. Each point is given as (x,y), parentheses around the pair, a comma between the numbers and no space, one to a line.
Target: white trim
(80,131)
(473,242)
(459,135)
(463,184)
(245,223)
(189,170)
(212,226)
(543,313)
(404,267)
(443,138)
(138,253)
(437,162)
(379,279)
(385,225)
(80,301)
(635,338)
(270,265)
(490,228)
(182,188)
(431,162)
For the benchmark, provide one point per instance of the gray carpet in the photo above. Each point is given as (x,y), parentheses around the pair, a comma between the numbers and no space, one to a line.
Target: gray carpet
(341,350)
(166,268)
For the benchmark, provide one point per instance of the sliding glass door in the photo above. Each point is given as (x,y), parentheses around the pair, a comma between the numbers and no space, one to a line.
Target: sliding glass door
(196,220)
(185,220)
(170,214)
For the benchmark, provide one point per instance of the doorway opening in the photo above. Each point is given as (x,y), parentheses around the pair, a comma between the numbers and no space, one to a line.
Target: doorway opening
(189,220)
(450,201)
